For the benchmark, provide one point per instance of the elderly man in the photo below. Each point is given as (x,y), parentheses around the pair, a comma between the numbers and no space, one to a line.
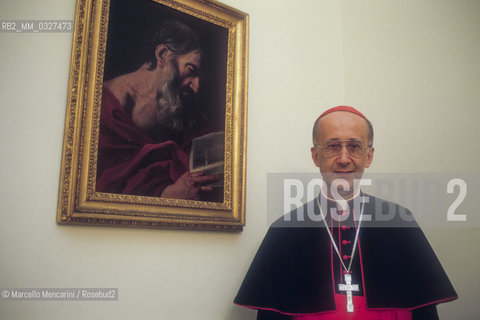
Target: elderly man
(148,119)
(328,261)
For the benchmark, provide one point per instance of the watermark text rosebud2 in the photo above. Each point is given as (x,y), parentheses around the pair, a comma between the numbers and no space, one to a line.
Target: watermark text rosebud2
(434,199)
(312,189)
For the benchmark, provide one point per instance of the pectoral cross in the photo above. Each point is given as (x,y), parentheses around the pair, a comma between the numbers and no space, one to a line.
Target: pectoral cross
(348,287)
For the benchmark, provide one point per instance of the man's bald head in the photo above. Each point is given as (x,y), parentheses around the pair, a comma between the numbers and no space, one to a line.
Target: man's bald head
(342,109)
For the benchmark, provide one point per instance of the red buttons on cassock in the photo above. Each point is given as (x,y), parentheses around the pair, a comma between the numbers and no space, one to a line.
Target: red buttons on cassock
(345,227)
(345,242)
(345,257)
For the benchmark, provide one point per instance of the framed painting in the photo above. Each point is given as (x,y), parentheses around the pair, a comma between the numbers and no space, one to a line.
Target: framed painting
(155,130)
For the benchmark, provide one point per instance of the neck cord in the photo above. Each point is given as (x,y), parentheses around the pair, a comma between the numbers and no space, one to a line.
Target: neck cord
(337,200)
(340,202)
(333,241)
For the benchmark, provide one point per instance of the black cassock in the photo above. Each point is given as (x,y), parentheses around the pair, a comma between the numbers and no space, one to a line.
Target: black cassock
(292,270)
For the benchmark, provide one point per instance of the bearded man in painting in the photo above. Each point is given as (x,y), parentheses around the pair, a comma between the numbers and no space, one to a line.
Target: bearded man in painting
(148,120)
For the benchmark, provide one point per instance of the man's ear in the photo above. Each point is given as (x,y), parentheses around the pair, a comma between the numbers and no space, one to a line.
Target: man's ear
(313,150)
(369,157)
(162,53)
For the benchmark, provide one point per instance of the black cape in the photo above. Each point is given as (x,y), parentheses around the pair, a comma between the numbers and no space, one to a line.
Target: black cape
(291,272)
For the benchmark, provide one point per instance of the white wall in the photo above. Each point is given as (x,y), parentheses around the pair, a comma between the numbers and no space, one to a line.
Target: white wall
(411,66)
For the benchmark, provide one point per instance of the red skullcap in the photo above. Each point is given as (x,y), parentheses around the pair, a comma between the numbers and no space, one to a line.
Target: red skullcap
(343,108)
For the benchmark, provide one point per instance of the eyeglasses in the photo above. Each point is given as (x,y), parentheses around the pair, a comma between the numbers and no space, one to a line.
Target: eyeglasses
(333,148)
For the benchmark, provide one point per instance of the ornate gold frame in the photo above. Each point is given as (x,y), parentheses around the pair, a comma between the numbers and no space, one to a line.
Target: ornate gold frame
(78,202)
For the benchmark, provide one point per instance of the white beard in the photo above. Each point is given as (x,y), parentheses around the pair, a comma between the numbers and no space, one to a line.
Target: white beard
(169,104)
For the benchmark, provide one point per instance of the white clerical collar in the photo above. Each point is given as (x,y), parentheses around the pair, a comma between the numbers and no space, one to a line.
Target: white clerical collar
(342,204)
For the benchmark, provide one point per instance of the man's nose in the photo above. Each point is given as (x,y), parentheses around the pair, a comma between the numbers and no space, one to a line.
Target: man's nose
(194,84)
(344,156)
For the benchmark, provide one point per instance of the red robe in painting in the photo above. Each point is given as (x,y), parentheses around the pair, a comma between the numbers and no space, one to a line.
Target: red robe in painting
(129,162)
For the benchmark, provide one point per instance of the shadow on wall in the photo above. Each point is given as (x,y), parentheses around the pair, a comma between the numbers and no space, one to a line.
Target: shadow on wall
(240,313)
